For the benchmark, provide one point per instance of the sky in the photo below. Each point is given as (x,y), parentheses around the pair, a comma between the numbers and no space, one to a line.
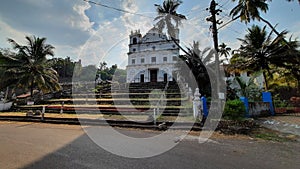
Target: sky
(94,33)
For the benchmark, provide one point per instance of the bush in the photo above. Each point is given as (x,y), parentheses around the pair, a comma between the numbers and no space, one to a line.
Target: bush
(234,110)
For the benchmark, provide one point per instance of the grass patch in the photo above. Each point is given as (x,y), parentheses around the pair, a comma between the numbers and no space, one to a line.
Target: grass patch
(271,135)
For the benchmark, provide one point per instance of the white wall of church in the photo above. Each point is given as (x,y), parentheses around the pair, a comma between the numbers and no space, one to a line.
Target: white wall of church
(150,56)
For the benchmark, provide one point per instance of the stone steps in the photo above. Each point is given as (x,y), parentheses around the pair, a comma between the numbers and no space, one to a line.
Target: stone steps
(139,99)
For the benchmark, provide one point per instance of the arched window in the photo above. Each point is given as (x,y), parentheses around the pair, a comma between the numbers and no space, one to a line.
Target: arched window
(134,40)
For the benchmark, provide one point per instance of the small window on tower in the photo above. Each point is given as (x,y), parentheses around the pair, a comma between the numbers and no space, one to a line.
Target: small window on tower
(133,61)
(133,49)
(153,59)
(134,40)
(142,60)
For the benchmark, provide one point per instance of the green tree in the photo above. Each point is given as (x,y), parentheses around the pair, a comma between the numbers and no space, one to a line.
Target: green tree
(169,19)
(248,10)
(64,67)
(260,52)
(194,67)
(167,14)
(224,50)
(247,87)
(29,67)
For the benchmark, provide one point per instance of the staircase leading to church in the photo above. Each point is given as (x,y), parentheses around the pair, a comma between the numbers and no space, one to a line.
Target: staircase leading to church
(106,98)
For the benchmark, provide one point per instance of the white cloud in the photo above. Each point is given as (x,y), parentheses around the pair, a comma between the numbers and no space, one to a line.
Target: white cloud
(195,8)
(81,20)
(110,42)
(6,31)
(295,31)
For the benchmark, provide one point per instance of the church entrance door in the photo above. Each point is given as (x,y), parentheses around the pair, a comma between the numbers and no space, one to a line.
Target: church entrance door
(165,77)
(153,75)
(142,78)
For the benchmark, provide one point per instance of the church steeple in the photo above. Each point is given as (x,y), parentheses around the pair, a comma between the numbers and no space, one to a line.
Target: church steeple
(135,37)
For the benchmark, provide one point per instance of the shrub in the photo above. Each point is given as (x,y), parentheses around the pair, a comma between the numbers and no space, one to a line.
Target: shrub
(234,110)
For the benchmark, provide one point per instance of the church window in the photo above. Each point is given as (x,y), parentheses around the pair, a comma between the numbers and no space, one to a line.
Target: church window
(175,58)
(134,40)
(133,49)
(133,61)
(153,59)
(142,60)
(165,59)
(153,47)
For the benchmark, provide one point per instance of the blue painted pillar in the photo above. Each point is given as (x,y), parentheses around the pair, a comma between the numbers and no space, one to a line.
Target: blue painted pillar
(205,109)
(267,97)
(246,103)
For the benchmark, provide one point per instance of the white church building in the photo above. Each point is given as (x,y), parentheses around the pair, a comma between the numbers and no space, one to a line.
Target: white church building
(152,57)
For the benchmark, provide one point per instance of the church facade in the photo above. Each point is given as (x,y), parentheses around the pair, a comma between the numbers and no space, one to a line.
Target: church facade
(152,57)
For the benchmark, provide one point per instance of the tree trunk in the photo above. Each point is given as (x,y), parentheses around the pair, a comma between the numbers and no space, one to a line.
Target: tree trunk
(266,82)
(178,45)
(270,25)
(31,89)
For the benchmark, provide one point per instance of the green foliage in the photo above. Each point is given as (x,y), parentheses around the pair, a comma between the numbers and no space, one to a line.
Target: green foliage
(192,67)
(247,88)
(259,51)
(167,14)
(281,103)
(64,68)
(234,110)
(112,73)
(29,67)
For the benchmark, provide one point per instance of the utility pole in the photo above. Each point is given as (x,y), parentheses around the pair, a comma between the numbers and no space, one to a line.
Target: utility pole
(213,11)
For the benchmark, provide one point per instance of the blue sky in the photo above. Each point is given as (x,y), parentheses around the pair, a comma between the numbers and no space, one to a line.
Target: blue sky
(94,33)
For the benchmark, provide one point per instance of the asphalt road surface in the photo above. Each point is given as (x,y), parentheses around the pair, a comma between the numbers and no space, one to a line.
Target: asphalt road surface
(33,145)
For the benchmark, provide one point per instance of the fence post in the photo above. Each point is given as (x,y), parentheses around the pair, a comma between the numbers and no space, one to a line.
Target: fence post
(267,97)
(246,103)
(62,108)
(43,113)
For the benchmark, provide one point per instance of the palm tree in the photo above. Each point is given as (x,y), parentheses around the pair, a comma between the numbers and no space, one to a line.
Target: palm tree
(29,67)
(248,10)
(224,50)
(198,62)
(259,52)
(246,87)
(167,15)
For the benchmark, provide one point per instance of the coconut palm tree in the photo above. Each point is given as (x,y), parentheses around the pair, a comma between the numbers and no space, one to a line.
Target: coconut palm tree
(248,10)
(260,52)
(167,16)
(195,66)
(169,19)
(29,67)
(224,50)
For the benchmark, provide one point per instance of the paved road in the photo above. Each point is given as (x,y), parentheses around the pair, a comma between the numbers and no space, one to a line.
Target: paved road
(30,145)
